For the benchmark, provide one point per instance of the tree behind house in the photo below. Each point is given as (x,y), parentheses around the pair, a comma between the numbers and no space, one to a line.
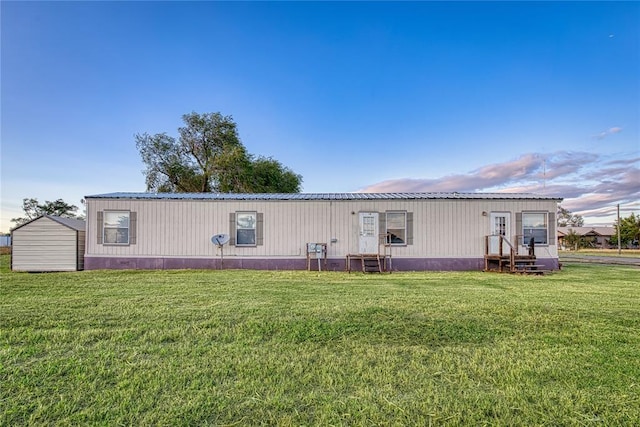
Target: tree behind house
(33,209)
(568,219)
(629,231)
(209,157)
(572,240)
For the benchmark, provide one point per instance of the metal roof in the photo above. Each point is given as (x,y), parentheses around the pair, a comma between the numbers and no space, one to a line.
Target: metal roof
(73,223)
(76,224)
(323,196)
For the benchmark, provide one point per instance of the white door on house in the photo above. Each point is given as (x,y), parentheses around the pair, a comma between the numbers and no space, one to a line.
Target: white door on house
(368,242)
(500,226)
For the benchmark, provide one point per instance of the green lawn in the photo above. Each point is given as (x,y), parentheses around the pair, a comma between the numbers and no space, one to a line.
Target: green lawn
(625,253)
(300,348)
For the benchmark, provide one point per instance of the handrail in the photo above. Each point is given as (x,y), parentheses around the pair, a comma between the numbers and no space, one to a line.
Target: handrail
(512,250)
(385,242)
(500,246)
(512,257)
(508,242)
(512,253)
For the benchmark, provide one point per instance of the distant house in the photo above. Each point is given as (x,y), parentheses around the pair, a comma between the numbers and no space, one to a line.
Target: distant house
(596,237)
(410,231)
(48,243)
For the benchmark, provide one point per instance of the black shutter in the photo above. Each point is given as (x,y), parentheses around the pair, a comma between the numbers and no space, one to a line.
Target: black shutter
(232,228)
(100,226)
(519,236)
(133,227)
(552,229)
(260,229)
(409,228)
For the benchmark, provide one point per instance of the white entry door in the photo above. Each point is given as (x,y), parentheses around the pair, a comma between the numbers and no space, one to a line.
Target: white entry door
(500,226)
(368,243)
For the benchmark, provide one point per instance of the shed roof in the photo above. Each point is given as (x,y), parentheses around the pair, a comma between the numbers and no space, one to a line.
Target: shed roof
(76,224)
(73,223)
(324,196)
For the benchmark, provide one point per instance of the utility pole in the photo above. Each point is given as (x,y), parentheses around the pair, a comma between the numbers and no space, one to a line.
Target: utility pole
(619,245)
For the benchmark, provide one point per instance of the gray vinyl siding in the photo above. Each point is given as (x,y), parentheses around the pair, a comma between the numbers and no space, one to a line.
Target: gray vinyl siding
(183,228)
(45,245)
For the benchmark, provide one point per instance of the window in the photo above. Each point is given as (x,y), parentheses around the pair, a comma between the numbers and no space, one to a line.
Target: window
(396,228)
(116,227)
(534,224)
(246,228)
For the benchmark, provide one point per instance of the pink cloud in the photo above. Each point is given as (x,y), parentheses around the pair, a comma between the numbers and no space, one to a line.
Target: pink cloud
(589,184)
(610,131)
(485,177)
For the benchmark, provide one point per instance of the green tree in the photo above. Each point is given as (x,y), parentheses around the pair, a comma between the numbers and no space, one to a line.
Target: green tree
(566,218)
(270,176)
(572,240)
(575,241)
(209,157)
(33,209)
(629,231)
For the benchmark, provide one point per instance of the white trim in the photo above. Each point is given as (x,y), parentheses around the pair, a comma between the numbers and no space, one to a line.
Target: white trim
(104,227)
(386,226)
(255,229)
(525,242)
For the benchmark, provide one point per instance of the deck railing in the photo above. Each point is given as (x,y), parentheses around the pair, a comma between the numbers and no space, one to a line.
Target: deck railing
(503,243)
(385,242)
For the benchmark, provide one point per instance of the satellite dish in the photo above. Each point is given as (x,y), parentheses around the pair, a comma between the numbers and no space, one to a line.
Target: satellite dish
(220,239)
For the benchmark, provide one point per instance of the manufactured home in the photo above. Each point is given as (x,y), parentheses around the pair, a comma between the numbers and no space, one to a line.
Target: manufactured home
(48,243)
(403,231)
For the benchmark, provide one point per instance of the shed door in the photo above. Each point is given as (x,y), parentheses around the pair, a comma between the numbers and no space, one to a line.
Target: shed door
(368,242)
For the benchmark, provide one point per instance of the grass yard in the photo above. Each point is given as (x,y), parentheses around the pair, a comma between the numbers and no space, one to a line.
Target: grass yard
(301,348)
(624,253)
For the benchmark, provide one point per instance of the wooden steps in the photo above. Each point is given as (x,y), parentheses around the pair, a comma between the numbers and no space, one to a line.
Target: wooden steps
(522,264)
(371,263)
(526,264)
(529,267)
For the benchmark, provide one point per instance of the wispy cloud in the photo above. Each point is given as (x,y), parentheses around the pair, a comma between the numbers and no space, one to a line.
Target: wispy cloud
(610,131)
(486,177)
(590,184)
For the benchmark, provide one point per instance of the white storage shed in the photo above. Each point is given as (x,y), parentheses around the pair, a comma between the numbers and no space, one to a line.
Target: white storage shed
(48,243)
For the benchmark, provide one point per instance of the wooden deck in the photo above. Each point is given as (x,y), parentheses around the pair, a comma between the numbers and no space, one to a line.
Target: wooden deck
(374,262)
(509,261)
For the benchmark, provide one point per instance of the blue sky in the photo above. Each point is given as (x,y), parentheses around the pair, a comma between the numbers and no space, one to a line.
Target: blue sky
(367,96)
